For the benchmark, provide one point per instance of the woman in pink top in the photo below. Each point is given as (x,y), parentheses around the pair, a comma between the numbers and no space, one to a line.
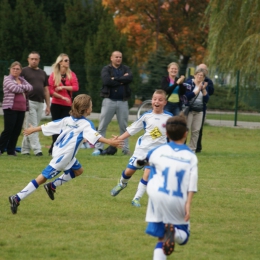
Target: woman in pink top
(14,106)
(62,83)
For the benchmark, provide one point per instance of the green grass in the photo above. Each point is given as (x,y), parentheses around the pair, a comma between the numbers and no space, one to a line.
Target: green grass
(240,117)
(85,222)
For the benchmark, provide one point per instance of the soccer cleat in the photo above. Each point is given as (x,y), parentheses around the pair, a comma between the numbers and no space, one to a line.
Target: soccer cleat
(136,202)
(96,152)
(13,204)
(50,191)
(39,154)
(118,188)
(168,240)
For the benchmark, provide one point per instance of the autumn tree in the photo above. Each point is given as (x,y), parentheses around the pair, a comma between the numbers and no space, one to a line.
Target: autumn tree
(173,24)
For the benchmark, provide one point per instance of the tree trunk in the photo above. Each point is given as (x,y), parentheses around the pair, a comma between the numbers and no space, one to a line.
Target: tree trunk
(184,65)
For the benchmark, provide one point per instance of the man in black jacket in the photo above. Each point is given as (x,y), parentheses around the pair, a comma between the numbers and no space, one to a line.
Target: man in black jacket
(116,78)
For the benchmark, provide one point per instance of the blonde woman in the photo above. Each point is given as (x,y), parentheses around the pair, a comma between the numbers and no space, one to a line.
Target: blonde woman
(171,84)
(197,95)
(62,83)
(14,106)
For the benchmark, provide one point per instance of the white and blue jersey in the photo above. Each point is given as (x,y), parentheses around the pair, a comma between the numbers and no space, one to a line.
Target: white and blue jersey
(72,131)
(154,135)
(173,173)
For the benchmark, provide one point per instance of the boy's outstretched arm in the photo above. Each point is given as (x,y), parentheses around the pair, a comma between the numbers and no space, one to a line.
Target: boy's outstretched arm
(113,141)
(32,129)
(124,136)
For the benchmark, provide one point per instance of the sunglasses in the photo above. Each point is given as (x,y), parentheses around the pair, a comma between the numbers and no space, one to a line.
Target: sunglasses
(66,60)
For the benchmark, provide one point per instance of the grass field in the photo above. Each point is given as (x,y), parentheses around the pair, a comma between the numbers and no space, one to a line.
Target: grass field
(85,222)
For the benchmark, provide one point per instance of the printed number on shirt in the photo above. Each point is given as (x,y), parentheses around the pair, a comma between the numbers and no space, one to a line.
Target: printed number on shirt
(65,139)
(132,160)
(179,176)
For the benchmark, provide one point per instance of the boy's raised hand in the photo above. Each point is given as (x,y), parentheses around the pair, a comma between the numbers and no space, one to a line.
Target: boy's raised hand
(31,130)
(116,142)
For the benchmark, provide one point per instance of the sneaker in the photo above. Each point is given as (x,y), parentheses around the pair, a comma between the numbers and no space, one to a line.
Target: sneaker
(50,191)
(13,204)
(97,152)
(12,154)
(25,154)
(168,240)
(39,154)
(136,202)
(117,189)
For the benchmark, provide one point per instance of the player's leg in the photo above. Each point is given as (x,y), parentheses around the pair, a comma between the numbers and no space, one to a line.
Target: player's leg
(127,173)
(125,177)
(141,189)
(30,188)
(68,175)
(108,110)
(156,229)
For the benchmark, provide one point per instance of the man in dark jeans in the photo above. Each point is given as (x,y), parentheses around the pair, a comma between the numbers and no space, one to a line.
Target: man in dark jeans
(210,90)
(116,78)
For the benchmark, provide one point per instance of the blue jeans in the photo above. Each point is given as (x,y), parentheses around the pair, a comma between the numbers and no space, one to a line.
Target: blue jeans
(174,108)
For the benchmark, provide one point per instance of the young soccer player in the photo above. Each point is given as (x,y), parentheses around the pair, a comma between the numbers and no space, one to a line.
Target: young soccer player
(153,122)
(173,176)
(72,131)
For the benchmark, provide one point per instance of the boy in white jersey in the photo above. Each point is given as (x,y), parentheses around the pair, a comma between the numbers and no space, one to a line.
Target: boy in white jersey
(173,177)
(72,131)
(153,122)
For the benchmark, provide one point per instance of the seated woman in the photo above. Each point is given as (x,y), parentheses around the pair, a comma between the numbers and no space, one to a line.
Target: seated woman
(195,97)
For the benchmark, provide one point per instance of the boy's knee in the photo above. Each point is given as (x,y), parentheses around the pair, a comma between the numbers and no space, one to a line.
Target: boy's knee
(78,172)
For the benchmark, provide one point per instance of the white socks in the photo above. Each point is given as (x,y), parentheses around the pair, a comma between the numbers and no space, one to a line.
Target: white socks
(141,189)
(30,188)
(158,252)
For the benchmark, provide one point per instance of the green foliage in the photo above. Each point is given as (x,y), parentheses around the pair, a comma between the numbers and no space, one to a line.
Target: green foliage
(224,98)
(98,51)
(7,31)
(33,31)
(85,222)
(155,69)
(234,39)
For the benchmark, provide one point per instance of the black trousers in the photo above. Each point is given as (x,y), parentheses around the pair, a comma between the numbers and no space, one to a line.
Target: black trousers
(199,144)
(58,112)
(13,123)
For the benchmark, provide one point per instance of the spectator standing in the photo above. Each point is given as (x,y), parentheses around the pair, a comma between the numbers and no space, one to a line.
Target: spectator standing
(197,95)
(210,90)
(170,84)
(116,78)
(39,81)
(62,83)
(14,106)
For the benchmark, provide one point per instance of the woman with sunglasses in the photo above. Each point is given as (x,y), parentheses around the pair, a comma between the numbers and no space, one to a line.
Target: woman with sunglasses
(62,83)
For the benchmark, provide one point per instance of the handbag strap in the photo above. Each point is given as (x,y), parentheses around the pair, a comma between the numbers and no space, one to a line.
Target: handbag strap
(194,99)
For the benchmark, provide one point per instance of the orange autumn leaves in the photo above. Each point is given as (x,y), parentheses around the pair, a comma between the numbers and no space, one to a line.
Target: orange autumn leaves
(175,24)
